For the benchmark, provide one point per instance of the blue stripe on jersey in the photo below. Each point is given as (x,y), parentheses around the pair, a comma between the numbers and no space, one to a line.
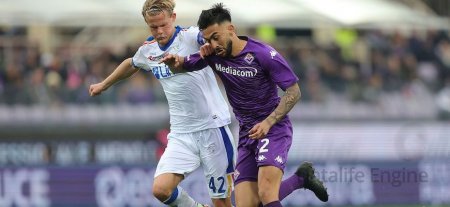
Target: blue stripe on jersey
(173,197)
(177,30)
(200,39)
(229,148)
(150,38)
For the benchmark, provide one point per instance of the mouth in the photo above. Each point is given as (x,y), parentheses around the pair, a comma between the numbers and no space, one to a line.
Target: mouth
(219,51)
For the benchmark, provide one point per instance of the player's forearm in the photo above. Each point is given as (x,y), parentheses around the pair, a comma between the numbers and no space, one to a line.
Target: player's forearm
(194,62)
(123,71)
(287,102)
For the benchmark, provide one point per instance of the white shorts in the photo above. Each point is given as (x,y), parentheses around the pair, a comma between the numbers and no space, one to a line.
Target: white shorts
(214,149)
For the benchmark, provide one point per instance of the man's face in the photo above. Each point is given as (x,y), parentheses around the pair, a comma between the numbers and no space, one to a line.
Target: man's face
(219,36)
(161,26)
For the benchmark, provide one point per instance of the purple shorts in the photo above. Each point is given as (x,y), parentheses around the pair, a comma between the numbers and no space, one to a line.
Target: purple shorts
(271,150)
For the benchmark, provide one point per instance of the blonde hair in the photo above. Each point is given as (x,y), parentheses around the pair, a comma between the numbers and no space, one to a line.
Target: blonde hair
(154,7)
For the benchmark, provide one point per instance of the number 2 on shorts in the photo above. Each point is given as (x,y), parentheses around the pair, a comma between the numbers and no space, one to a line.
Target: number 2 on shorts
(263,147)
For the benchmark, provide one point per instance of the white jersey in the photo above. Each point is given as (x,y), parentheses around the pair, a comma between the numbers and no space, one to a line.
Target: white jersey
(195,101)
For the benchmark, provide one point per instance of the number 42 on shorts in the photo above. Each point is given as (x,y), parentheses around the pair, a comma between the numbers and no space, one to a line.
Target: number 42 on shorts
(220,182)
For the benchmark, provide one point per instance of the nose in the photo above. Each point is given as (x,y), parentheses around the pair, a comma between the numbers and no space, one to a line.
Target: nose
(159,30)
(213,44)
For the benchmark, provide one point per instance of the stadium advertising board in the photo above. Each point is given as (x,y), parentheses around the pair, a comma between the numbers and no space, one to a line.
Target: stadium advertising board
(348,183)
(361,163)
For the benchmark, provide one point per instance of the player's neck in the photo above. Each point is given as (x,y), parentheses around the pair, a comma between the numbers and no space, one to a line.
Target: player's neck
(238,46)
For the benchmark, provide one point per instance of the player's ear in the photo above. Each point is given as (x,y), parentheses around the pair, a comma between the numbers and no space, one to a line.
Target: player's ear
(231,28)
(174,16)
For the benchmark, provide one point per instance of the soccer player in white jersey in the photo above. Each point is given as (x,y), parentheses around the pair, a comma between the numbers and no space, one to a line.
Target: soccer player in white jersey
(199,115)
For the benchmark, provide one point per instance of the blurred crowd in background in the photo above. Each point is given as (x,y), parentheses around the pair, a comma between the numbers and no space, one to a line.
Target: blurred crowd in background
(357,65)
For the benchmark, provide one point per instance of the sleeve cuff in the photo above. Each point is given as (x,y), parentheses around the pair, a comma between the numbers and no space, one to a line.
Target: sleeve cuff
(186,66)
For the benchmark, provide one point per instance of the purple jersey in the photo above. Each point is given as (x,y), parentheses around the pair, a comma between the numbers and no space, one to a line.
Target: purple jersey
(250,79)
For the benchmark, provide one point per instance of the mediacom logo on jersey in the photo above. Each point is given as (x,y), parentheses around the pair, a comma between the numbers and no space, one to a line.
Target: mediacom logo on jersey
(239,71)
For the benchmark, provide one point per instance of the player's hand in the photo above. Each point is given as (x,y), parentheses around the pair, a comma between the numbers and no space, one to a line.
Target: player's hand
(96,89)
(260,130)
(206,50)
(174,62)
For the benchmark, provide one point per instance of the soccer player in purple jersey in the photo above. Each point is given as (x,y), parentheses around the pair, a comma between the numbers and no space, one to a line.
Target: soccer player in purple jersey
(251,72)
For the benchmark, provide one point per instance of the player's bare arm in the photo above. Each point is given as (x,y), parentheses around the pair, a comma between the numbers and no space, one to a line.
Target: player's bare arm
(123,71)
(287,102)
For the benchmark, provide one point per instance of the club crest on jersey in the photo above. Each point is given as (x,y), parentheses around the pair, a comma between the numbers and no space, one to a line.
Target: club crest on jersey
(176,47)
(249,58)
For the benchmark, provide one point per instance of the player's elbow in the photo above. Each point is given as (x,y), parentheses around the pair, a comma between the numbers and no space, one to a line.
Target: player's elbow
(299,93)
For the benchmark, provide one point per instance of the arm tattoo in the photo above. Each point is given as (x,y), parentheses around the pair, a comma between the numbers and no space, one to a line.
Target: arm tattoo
(289,99)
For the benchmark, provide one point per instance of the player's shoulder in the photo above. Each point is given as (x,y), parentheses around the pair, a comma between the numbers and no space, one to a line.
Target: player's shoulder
(149,45)
(261,49)
(150,41)
(191,31)
(259,45)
